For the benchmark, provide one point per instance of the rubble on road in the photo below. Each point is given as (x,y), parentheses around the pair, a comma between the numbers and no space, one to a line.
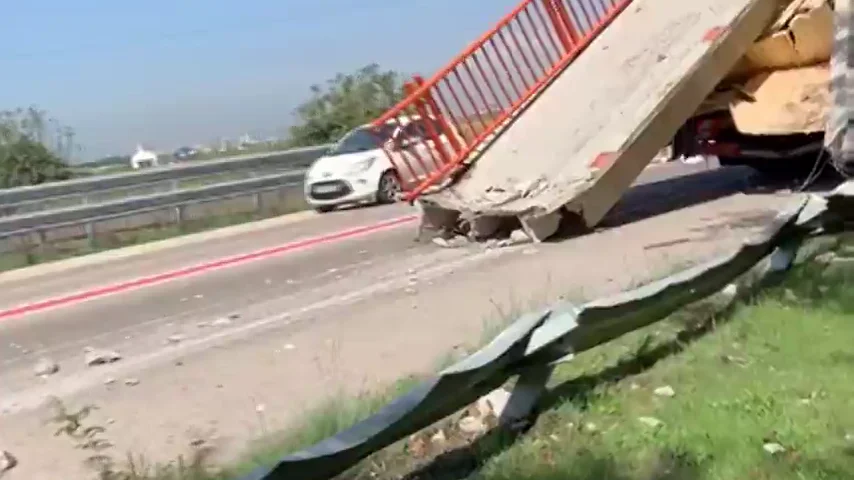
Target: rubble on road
(93,356)
(45,367)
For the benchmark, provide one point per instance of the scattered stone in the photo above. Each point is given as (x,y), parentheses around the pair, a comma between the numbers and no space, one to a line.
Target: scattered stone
(734,360)
(45,367)
(111,421)
(203,324)
(131,382)
(441,242)
(790,296)
(651,422)
(109,381)
(416,445)
(332,270)
(665,391)
(93,356)
(175,338)
(472,425)
(197,442)
(234,316)
(493,403)
(410,290)
(289,346)
(439,438)
(221,322)
(454,242)
(773,448)
(7,461)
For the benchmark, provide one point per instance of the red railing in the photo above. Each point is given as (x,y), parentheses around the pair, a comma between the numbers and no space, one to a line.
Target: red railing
(465,102)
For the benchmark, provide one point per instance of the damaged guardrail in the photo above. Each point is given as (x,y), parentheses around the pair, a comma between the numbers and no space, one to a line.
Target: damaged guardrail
(534,344)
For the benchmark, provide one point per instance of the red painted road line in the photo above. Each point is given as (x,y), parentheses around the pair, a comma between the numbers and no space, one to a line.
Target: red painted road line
(201,268)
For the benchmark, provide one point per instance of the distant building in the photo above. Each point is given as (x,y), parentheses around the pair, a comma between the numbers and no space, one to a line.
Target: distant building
(143,158)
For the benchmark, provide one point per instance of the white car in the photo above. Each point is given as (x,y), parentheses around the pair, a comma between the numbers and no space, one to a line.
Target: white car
(357,170)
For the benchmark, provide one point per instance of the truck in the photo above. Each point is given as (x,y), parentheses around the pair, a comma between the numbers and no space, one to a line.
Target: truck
(770,112)
(566,102)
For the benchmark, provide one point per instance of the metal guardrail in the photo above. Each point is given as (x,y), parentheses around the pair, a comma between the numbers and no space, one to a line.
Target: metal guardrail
(292,159)
(534,344)
(489,82)
(44,222)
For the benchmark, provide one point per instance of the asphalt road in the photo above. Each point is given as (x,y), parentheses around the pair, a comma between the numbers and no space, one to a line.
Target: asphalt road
(307,307)
(289,272)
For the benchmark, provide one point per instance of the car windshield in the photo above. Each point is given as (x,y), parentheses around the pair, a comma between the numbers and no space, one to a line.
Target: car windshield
(361,139)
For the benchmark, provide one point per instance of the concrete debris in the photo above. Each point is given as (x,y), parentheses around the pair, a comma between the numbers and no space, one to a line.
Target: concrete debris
(177,338)
(221,322)
(93,356)
(651,422)
(665,391)
(131,382)
(234,316)
(439,438)
(7,461)
(493,403)
(417,446)
(454,242)
(45,367)
(471,425)
(203,324)
(289,346)
(773,448)
(109,381)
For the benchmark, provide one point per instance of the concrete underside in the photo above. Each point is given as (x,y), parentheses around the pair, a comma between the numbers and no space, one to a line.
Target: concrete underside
(617,104)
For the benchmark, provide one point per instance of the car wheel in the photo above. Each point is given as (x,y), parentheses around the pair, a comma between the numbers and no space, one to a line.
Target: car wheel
(324,209)
(388,189)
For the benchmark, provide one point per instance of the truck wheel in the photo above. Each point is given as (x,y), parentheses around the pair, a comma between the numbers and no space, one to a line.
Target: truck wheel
(324,209)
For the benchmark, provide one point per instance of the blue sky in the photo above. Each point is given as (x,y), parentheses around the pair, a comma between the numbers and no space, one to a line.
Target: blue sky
(173,72)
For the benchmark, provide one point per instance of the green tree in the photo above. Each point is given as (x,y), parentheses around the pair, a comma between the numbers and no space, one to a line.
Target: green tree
(346,101)
(27,156)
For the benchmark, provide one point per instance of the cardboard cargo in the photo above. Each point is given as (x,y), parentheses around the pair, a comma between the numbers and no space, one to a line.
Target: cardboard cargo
(782,84)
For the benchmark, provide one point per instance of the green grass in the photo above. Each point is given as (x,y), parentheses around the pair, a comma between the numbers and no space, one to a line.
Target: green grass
(777,370)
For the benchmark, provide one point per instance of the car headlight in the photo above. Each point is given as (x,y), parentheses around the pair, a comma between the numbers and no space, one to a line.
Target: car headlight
(361,166)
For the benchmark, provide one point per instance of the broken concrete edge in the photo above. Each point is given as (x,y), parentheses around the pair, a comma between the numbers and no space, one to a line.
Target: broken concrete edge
(440,220)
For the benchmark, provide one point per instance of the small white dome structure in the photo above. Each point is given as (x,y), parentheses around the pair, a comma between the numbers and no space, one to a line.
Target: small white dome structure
(143,158)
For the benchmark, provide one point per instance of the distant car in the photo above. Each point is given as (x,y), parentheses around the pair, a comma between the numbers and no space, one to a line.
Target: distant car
(357,170)
(185,153)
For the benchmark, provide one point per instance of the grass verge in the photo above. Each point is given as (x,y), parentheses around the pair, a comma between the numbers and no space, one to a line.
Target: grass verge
(762,394)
